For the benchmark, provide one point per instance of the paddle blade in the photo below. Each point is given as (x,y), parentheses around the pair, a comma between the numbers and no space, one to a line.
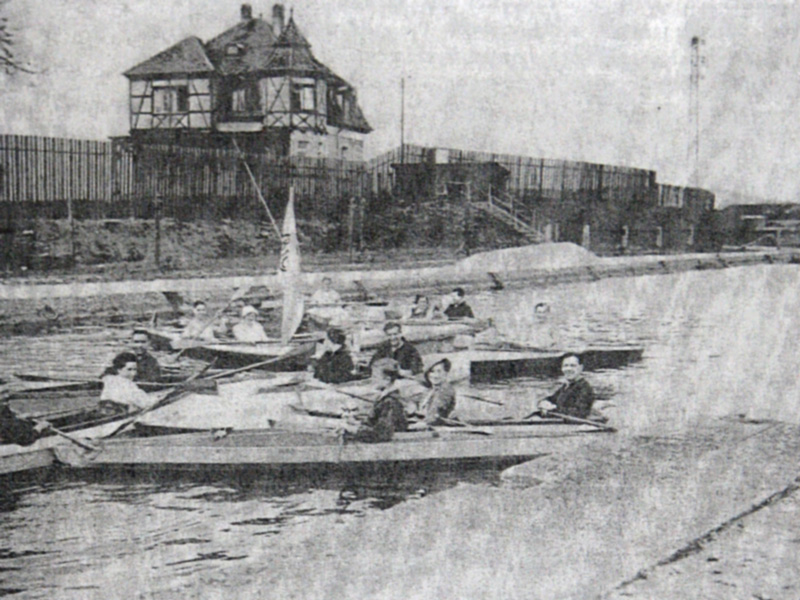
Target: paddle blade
(289,274)
(293,309)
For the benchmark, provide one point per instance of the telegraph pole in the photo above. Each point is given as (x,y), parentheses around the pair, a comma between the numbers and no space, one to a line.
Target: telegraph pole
(697,61)
(402,120)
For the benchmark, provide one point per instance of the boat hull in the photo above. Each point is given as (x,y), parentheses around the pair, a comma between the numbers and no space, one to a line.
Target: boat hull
(284,449)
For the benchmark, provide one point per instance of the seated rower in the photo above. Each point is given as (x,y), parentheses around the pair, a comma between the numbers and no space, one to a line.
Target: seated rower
(441,400)
(422,308)
(387,414)
(14,430)
(326,295)
(147,367)
(118,385)
(398,348)
(458,307)
(199,327)
(333,363)
(249,330)
(575,397)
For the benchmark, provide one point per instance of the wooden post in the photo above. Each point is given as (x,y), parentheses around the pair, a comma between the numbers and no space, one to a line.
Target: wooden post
(466,220)
(157,217)
(351,215)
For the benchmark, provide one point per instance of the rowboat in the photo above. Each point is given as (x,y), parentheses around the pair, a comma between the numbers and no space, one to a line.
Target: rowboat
(294,356)
(260,404)
(484,366)
(281,449)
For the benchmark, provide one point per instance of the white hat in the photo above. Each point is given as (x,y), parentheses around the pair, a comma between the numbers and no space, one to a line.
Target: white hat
(247,310)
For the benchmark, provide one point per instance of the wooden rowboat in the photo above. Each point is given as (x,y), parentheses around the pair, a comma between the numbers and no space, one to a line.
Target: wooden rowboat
(281,449)
(486,366)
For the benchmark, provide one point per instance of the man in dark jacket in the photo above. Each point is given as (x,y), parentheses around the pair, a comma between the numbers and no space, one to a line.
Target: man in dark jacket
(387,415)
(14,430)
(458,308)
(147,367)
(398,348)
(575,397)
(334,365)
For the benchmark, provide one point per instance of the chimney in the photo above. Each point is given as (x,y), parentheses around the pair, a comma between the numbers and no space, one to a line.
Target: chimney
(247,12)
(277,19)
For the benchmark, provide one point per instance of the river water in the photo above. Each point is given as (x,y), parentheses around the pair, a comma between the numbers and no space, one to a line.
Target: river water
(717,343)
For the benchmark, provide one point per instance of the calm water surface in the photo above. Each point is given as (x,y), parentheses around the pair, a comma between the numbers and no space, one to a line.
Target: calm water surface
(717,343)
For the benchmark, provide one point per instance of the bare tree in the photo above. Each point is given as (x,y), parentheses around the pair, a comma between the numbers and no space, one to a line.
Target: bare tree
(8,60)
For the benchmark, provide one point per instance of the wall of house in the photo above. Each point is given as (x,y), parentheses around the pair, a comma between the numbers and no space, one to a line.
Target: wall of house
(337,143)
(148,110)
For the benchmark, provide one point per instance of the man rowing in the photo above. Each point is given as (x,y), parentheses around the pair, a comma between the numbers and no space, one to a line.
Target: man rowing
(16,430)
(333,363)
(575,396)
(387,414)
(458,307)
(398,348)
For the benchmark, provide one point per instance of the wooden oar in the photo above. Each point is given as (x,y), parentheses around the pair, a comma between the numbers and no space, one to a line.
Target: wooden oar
(571,419)
(482,399)
(237,295)
(74,440)
(466,426)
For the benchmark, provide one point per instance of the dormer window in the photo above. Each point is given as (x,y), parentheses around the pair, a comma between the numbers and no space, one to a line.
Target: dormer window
(233,50)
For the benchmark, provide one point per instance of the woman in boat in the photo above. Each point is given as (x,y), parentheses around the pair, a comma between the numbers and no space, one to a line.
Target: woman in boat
(249,330)
(118,385)
(423,309)
(199,327)
(334,364)
(441,399)
(575,397)
(387,415)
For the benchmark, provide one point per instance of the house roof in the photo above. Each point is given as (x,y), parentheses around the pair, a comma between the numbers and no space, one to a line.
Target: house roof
(255,41)
(187,56)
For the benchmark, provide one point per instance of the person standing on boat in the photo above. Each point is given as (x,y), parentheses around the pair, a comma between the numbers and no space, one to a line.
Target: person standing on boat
(119,386)
(14,430)
(398,348)
(249,330)
(575,397)
(334,364)
(147,367)
(441,399)
(387,415)
(199,327)
(458,307)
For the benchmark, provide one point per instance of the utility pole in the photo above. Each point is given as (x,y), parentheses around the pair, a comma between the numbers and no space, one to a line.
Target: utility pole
(402,120)
(697,61)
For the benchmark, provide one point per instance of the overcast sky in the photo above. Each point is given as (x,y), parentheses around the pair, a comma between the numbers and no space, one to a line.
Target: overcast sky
(601,81)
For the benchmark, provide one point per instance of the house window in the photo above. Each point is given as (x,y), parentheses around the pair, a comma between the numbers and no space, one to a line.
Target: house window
(170,100)
(245,100)
(344,150)
(302,98)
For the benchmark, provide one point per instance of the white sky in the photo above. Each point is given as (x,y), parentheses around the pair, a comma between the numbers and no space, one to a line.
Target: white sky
(600,81)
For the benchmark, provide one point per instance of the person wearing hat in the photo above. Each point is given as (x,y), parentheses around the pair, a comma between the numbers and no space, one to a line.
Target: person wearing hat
(334,365)
(249,330)
(440,401)
(387,414)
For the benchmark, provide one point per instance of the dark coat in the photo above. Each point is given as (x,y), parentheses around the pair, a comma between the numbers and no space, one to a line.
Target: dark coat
(574,399)
(406,356)
(147,368)
(461,310)
(334,367)
(14,430)
(387,416)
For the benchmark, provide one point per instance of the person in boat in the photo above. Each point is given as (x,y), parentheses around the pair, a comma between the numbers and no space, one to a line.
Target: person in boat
(458,307)
(542,334)
(333,363)
(440,401)
(199,326)
(423,308)
(575,396)
(326,295)
(147,367)
(249,330)
(387,414)
(119,387)
(14,430)
(400,349)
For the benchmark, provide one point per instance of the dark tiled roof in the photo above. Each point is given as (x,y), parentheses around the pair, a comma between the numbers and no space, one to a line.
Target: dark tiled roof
(187,56)
(256,41)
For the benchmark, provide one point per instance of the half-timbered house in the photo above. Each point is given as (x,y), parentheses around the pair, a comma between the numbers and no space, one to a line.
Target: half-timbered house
(258,83)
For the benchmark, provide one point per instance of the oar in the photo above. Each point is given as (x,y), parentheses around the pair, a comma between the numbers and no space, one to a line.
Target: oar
(467,427)
(482,399)
(74,440)
(170,397)
(237,295)
(570,419)
(296,352)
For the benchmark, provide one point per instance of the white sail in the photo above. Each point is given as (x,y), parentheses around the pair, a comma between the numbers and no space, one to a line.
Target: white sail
(289,274)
